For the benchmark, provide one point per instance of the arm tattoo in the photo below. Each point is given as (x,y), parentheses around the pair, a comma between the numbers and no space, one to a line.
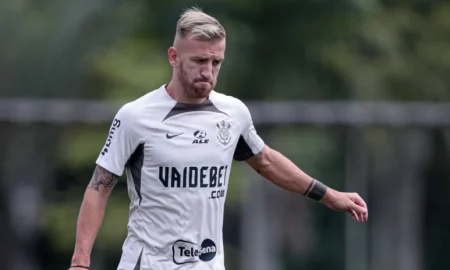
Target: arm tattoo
(103,178)
(310,185)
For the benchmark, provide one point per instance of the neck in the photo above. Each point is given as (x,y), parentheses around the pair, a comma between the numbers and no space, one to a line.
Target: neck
(178,93)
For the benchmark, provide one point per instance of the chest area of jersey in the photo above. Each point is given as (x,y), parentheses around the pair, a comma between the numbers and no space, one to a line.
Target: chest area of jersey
(194,139)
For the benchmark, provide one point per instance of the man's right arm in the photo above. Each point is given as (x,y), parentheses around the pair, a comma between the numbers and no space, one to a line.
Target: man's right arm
(122,140)
(91,214)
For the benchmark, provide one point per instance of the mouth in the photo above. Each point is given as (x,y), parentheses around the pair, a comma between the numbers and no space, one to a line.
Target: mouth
(203,82)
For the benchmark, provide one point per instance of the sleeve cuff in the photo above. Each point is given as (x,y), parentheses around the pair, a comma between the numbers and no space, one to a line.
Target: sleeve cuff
(109,167)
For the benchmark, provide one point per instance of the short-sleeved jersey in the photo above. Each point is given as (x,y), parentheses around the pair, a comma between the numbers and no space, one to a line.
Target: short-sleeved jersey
(177,159)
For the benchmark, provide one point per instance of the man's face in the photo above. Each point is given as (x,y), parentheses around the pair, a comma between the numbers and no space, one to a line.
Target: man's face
(199,64)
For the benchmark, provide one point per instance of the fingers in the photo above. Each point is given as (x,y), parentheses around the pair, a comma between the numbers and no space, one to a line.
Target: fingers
(357,217)
(359,212)
(354,215)
(360,208)
(358,200)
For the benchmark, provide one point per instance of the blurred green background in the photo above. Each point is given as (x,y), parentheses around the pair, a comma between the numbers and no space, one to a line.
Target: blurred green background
(286,50)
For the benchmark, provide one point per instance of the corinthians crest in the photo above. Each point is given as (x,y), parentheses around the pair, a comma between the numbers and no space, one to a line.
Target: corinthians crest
(223,135)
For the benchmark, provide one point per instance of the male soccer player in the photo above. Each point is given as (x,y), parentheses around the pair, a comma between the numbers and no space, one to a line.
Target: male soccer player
(177,144)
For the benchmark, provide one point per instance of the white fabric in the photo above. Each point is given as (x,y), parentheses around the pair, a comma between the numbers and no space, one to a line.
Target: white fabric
(177,174)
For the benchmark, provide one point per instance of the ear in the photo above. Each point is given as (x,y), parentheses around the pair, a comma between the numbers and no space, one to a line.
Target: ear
(173,57)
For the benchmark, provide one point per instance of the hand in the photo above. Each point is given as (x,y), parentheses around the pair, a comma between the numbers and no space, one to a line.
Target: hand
(348,202)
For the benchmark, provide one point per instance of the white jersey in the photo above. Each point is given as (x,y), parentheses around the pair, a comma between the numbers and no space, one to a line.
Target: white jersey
(178,159)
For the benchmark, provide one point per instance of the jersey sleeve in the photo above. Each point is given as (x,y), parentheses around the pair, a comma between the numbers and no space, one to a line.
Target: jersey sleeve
(121,142)
(249,143)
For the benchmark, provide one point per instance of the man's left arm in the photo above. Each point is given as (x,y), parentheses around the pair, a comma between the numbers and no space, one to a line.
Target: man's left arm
(278,169)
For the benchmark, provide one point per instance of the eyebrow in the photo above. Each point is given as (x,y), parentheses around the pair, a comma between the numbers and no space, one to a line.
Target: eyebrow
(206,57)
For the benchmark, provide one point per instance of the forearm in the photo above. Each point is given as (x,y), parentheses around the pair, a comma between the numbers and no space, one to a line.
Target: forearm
(278,169)
(284,173)
(89,222)
(91,214)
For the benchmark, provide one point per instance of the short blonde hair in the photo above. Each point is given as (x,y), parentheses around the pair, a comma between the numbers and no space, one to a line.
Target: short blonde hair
(199,25)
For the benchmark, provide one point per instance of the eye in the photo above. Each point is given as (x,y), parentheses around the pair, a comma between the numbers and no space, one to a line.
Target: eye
(200,60)
(216,62)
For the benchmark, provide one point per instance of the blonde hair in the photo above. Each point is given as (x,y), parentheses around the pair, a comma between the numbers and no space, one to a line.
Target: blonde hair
(199,25)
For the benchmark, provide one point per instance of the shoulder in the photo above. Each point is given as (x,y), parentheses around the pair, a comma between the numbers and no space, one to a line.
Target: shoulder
(235,108)
(148,106)
(229,104)
(131,109)
(142,111)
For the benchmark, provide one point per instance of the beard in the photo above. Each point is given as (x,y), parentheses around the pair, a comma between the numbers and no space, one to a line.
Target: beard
(197,88)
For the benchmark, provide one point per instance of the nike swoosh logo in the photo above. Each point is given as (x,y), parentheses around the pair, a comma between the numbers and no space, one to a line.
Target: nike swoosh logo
(168,136)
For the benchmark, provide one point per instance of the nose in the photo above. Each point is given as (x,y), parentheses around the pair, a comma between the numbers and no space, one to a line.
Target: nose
(206,71)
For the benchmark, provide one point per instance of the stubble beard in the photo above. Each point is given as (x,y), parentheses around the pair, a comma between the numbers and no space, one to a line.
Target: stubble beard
(196,91)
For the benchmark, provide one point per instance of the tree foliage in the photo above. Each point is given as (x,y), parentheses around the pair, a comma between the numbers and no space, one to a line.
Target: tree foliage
(276,50)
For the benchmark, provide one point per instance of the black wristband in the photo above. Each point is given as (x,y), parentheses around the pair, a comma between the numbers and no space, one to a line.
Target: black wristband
(79,266)
(318,190)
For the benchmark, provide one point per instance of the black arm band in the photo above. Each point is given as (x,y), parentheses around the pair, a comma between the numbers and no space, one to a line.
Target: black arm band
(79,266)
(318,191)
